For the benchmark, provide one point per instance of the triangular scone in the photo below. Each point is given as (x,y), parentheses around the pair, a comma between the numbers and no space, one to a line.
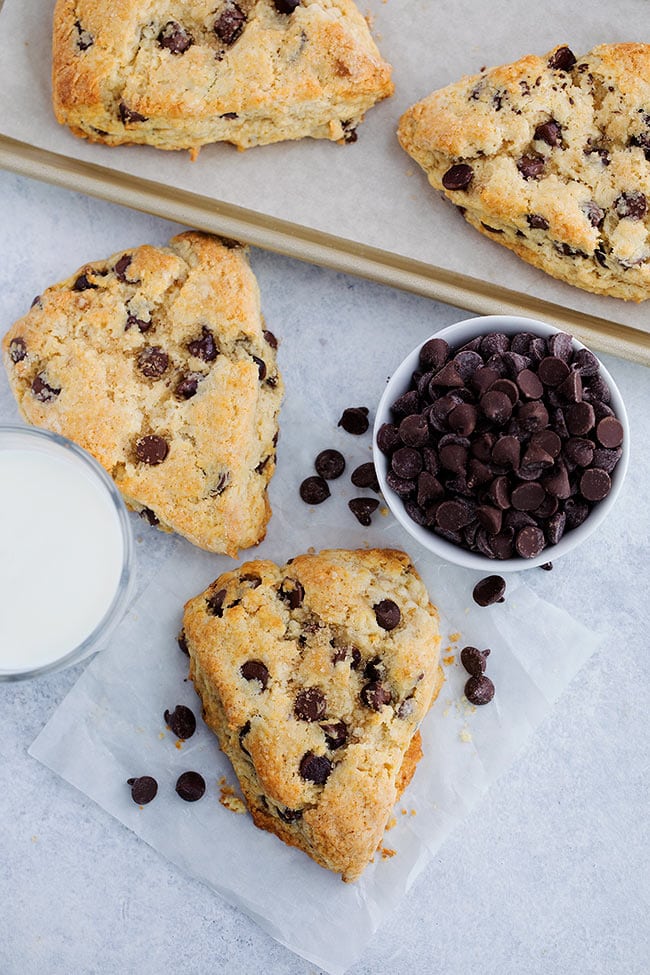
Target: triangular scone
(178,75)
(157,362)
(315,677)
(550,157)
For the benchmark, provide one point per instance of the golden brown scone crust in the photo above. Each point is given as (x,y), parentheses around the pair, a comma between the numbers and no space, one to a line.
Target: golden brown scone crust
(314,655)
(118,79)
(584,216)
(164,342)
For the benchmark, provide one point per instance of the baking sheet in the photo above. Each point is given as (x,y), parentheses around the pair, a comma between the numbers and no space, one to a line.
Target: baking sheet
(365,207)
(111,725)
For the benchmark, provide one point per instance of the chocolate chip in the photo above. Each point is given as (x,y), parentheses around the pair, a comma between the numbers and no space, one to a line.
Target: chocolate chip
(537,222)
(132,321)
(292,592)
(496,406)
(127,114)
(375,696)
(474,660)
(387,614)
(552,370)
(42,390)
(289,815)
(205,347)
(315,768)
(190,786)
(406,463)
(286,6)
(549,132)
(452,515)
(182,642)
(529,384)
(406,404)
(151,449)
(579,451)
(529,542)
(532,416)
(187,386)
(388,438)
(479,690)
(490,518)
(403,487)
(354,420)
(580,418)
(448,376)
(462,419)
(527,497)
(17,349)
(563,59)
(314,490)
(215,603)
(181,722)
(414,430)
(150,516)
(595,484)
(363,509)
(255,670)
(221,484)
(153,362)
(489,590)
(547,566)
(143,789)
(531,167)
(610,432)
(84,38)
(458,177)
(336,734)
(175,38)
(631,205)
(121,266)
(330,464)
(261,366)
(310,704)
(434,353)
(365,476)
(576,512)
(271,339)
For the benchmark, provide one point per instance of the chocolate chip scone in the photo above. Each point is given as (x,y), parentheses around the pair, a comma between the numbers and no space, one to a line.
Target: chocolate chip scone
(315,677)
(177,75)
(157,362)
(550,157)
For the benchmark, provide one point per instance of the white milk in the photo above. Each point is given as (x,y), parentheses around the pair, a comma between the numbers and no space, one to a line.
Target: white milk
(61,554)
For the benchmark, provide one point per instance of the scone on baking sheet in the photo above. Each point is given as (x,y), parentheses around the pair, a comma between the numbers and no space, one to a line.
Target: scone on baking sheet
(156,361)
(315,676)
(550,157)
(178,75)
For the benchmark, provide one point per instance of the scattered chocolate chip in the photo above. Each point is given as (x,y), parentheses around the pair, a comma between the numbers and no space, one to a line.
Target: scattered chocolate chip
(336,734)
(310,704)
(562,60)
(489,590)
(182,642)
(151,449)
(187,386)
(175,38)
(479,690)
(547,566)
(127,114)
(205,347)
(181,721)
(143,789)
(354,420)
(375,696)
(474,660)
(315,768)
(365,476)
(153,362)
(190,786)
(330,464)
(42,390)
(458,177)
(17,349)
(314,490)
(255,670)
(632,205)
(387,614)
(363,509)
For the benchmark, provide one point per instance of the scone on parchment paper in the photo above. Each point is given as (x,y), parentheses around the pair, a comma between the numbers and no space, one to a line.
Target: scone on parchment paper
(315,676)
(157,362)
(550,157)
(178,75)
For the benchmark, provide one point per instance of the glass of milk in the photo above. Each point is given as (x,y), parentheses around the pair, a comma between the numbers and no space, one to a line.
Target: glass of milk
(66,553)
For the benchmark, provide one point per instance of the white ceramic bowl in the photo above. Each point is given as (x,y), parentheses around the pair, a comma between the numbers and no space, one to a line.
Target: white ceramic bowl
(456,336)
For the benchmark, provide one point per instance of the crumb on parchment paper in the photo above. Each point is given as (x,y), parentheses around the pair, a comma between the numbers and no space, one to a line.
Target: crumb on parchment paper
(229,798)
(392,822)
(387,853)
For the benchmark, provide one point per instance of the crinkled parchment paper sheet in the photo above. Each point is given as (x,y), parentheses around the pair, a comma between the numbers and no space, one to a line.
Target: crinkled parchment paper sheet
(111,726)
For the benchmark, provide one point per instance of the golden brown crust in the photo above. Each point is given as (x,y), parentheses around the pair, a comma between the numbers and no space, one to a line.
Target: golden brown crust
(262,637)
(572,218)
(114,343)
(312,73)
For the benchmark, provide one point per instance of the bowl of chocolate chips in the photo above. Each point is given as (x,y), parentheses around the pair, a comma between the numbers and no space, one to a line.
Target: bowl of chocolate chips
(501,439)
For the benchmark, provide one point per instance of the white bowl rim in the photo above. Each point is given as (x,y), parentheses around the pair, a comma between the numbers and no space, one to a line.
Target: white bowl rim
(398,384)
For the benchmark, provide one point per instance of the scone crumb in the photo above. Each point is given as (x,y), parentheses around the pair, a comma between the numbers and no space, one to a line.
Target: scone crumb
(387,853)
(392,822)
(465,735)
(161,735)
(448,661)
(229,798)
(178,744)
(454,637)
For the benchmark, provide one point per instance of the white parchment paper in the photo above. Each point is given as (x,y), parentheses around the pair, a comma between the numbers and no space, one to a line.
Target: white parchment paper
(370,192)
(111,725)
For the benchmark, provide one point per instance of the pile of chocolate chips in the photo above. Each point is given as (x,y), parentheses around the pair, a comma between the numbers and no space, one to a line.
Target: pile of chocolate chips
(330,464)
(503,445)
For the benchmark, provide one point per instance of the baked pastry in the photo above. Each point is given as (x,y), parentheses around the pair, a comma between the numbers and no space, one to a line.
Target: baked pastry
(177,75)
(157,362)
(550,157)
(315,677)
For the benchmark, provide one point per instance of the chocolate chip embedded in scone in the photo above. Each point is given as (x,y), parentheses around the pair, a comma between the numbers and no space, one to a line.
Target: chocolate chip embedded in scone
(550,157)
(249,72)
(315,676)
(150,360)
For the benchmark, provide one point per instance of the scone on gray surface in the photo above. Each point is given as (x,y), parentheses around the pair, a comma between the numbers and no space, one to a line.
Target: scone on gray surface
(550,157)
(178,75)
(157,362)
(315,676)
